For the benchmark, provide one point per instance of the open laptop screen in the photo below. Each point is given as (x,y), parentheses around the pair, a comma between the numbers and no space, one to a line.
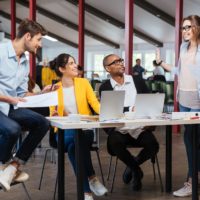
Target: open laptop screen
(112,105)
(149,105)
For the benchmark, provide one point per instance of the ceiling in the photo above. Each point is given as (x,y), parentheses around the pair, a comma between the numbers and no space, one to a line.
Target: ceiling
(100,32)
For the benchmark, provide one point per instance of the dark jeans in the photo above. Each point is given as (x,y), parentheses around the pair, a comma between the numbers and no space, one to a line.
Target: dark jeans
(188,139)
(10,130)
(9,134)
(69,141)
(118,143)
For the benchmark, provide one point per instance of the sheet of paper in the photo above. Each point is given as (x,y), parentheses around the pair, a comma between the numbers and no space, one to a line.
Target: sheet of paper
(41,100)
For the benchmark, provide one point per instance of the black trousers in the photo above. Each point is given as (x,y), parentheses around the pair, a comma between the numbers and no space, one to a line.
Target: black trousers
(118,143)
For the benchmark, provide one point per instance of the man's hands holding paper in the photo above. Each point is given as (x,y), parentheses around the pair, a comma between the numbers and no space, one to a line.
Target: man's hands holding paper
(15,100)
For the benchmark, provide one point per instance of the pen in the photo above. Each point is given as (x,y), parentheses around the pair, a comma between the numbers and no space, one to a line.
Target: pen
(51,86)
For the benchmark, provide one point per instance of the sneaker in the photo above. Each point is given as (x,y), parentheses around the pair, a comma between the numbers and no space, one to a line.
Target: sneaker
(20,176)
(127,175)
(97,187)
(137,179)
(7,176)
(185,191)
(88,197)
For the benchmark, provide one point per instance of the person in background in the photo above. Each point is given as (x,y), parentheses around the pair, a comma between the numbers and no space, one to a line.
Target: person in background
(121,138)
(158,69)
(158,72)
(138,70)
(48,73)
(188,89)
(14,71)
(75,96)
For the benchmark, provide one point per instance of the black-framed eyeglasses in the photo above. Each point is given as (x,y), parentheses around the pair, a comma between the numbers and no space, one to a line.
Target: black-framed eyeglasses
(186,28)
(117,62)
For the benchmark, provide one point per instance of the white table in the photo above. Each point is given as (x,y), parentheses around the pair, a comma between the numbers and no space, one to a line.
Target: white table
(62,125)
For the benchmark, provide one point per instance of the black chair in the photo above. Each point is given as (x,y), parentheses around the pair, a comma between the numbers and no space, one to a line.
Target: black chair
(53,146)
(169,99)
(154,161)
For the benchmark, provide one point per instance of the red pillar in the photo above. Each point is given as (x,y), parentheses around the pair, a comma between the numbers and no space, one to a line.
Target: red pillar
(13,19)
(129,35)
(32,16)
(178,39)
(81,25)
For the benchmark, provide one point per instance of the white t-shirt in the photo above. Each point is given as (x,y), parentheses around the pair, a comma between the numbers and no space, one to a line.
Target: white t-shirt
(70,100)
(159,71)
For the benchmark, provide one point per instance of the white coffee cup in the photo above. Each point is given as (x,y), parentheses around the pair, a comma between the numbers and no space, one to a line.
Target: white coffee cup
(129,115)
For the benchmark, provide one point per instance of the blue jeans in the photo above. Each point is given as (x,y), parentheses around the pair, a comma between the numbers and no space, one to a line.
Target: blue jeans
(188,140)
(10,130)
(9,134)
(69,141)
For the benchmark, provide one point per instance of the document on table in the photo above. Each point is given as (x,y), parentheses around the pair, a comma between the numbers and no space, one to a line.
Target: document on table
(40,100)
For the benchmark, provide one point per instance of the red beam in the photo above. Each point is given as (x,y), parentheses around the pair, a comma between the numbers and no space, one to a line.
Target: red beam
(32,16)
(129,35)
(178,39)
(13,18)
(81,26)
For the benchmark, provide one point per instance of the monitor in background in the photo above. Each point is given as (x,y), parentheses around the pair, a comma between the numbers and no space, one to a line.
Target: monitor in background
(112,105)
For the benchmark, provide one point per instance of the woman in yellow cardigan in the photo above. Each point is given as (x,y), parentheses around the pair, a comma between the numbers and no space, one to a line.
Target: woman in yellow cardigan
(75,95)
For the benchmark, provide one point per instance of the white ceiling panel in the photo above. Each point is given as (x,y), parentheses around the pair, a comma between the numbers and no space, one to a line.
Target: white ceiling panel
(143,20)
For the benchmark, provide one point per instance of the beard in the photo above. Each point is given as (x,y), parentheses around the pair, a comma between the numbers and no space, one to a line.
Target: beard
(30,49)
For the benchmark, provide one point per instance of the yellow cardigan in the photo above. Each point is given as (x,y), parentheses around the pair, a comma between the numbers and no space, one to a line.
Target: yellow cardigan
(84,95)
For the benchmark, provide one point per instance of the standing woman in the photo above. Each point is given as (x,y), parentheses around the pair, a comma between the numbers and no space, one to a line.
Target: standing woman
(75,96)
(188,90)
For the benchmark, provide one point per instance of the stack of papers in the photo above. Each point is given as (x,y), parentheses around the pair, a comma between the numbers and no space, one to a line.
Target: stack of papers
(40,100)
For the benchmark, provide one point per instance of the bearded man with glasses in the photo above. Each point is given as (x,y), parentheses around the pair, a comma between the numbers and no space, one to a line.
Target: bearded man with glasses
(119,139)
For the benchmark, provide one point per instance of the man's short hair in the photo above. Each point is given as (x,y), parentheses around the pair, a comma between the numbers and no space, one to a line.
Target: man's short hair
(30,26)
(106,59)
(137,59)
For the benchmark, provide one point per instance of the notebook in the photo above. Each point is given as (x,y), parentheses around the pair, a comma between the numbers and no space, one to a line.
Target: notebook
(112,105)
(149,105)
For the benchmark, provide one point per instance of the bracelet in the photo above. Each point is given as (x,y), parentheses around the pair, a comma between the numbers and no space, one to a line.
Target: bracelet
(160,62)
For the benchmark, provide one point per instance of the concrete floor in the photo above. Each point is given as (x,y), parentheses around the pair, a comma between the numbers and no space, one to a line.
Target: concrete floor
(150,191)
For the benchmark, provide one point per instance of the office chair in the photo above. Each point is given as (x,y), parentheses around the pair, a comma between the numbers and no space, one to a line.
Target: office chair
(53,146)
(154,161)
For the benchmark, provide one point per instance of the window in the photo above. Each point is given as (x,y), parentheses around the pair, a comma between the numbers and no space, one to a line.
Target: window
(95,64)
(170,58)
(148,59)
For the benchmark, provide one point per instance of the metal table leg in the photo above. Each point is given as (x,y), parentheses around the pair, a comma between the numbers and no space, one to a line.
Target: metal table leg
(168,165)
(61,165)
(195,163)
(79,164)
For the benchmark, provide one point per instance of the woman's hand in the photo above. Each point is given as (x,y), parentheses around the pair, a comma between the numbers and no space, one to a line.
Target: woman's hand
(50,88)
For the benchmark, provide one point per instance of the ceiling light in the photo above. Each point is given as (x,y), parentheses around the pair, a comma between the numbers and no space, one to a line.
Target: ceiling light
(50,38)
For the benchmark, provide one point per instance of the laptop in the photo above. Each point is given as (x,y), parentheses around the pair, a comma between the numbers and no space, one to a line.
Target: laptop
(149,105)
(112,105)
